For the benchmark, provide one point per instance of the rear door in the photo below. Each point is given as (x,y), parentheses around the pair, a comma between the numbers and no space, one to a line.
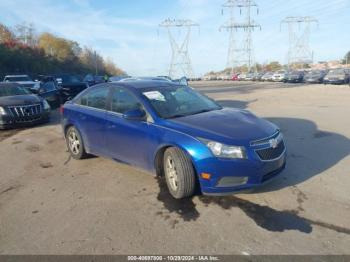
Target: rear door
(91,119)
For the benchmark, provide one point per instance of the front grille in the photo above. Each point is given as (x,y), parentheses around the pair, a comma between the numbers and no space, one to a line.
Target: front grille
(271,153)
(25,111)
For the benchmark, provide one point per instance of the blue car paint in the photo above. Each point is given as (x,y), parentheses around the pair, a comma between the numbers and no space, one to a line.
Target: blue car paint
(137,142)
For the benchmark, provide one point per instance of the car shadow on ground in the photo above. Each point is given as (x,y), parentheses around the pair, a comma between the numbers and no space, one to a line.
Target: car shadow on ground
(310,151)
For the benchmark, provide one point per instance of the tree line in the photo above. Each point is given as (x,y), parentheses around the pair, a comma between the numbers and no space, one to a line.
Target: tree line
(23,51)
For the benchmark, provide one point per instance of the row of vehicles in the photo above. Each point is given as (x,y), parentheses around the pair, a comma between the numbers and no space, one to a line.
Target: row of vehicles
(332,76)
(25,102)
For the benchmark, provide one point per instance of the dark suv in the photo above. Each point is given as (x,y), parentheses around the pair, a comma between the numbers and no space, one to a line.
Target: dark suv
(19,107)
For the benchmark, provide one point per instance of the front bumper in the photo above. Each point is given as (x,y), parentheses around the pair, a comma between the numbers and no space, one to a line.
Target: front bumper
(7,121)
(254,170)
(334,81)
(313,80)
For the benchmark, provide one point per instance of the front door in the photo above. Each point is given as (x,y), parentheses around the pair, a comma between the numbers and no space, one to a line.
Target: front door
(129,141)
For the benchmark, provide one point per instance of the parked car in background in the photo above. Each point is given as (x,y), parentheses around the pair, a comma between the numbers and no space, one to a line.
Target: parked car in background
(315,76)
(267,76)
(235,77)
(19,107)
(279,76)
(23,80)
(337,76)
(175,132)
(242,76)
(249,77)
(258,75)
(49,90)
(93,79)
(294,77)
(70,85)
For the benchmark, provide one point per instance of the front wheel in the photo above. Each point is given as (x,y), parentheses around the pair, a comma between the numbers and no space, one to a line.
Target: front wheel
(179,173)
(75,143)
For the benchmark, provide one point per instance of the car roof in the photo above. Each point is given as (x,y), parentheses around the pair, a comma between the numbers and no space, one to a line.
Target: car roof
(16,75)
(7,84)
(143,84)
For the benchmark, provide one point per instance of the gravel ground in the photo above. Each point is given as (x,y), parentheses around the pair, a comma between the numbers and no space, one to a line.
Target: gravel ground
(52,204)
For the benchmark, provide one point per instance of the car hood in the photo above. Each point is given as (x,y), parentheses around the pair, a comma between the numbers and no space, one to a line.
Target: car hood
(230,126)
(19,100)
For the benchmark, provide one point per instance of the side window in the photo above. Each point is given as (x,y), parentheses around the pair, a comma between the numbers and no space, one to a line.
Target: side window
(96,98)
(123,101)
(49,86)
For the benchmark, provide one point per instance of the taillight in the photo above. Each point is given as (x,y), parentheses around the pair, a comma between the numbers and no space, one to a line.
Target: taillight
(61,110)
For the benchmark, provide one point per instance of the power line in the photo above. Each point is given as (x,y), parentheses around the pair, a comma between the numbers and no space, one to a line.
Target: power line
(180,64)
(240,54)
(299,51)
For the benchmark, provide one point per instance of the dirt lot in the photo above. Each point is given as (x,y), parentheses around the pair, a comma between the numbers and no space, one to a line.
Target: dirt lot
(50,204)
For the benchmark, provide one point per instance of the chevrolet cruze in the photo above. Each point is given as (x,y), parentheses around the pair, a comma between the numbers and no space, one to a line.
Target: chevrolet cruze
(174,131)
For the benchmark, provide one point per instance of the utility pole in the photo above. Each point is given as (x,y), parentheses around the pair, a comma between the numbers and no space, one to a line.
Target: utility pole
(95,59)
(180,64)
(240,54)
(299,51)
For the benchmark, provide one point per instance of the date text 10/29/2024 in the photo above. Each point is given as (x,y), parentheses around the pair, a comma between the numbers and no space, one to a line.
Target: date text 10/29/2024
(173,258)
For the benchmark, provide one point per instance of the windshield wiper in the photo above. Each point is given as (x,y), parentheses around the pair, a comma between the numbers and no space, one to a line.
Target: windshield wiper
(205,110)
(176,116)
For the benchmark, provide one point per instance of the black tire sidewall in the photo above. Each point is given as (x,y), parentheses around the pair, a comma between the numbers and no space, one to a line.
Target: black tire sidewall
(185,173)
(82,153)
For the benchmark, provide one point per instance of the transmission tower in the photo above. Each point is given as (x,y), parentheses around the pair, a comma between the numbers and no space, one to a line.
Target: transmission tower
(299,51)
(180,64)
(240,51)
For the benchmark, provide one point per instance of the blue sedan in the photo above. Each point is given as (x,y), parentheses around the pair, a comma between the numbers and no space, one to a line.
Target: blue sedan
(174,131)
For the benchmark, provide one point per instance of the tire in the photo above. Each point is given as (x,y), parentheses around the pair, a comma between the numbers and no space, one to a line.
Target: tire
(78,150)
(181,180)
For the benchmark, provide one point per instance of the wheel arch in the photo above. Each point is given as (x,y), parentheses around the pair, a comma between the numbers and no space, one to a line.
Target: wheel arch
(158,158)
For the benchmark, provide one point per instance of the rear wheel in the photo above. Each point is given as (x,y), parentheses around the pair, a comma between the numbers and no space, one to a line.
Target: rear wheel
(75,143)
(179,173)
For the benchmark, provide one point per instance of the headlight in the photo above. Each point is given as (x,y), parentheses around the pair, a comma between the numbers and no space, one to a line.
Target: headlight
(46,105)
(225,151)
(2,111)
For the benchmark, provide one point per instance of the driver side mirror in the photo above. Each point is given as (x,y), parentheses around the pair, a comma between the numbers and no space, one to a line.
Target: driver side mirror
(135,114)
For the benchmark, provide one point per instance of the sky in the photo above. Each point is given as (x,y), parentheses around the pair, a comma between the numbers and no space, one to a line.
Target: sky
(127,31)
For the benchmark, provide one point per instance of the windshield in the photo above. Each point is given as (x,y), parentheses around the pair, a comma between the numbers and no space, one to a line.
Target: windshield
(336,72)
(13,91)
(172,102)
(17,79)
(314,73)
